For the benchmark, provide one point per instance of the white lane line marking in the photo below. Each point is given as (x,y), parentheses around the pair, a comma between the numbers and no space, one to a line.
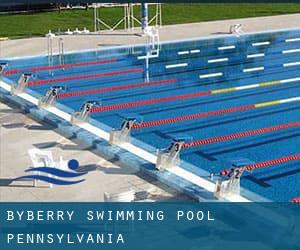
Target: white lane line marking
(247,87)
(186,52)
(261,43)
(147,56)
(226,47)
(218,60)
(292,40)
(183,52)
(290,80)
(290,51)
(253,69)
(179,65)
(256,55)
(290,100)
(195,51)
(211,75)
(291,64)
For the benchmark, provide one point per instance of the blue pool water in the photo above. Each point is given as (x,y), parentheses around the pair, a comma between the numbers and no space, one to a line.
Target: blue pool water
(237,61)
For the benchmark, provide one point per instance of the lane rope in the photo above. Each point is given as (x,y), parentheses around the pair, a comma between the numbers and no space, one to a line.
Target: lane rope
(240,135)
(211,113)
(111,89)
(296,200)
(269,163)
(263,164)
(188,96)
(65,66)
(80,77)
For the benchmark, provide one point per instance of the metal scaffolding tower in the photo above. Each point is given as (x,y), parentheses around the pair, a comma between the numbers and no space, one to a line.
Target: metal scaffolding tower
(129,20)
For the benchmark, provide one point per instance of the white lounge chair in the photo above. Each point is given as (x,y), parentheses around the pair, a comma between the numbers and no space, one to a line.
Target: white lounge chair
(43,158)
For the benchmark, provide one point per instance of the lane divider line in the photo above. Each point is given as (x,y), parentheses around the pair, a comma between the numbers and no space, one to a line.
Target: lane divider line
(147,56)
(253,69)
(210,75)
(238,135)
(296,200)
(256,55)
(261,43)
(291,64)
(65,66)
(147,102)
(116,88)
(194,51)
(292,40)
(80,77)
(218,60)
(183,52)
(186,52)
(272,162)
(290,51)
(160,122)
(178,65)
(226,47)
(187,96)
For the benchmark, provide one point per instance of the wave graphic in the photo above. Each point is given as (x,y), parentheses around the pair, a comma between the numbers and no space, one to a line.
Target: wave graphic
(48,179)
(55,171)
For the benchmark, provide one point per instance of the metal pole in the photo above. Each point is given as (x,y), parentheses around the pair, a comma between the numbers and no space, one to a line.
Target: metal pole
(95,17)
(128,16)
(61,51)
(132,15)
(160,15)
(50,53)
(144,14)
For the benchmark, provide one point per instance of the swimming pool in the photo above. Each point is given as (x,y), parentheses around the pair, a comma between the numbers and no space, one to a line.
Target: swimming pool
(232,99)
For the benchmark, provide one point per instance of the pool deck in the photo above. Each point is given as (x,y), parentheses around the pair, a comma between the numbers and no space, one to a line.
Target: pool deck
(18,133)
(106,176)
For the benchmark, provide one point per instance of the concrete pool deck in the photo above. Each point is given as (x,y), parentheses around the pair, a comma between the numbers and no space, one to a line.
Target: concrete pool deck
(19,133)
(108,177)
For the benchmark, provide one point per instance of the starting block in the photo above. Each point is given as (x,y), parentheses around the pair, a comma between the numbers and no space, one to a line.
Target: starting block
(122,135)
(3,65)
(225,188)
(84,113)
(50,97)
(22,84)
(170,157)
(231,185)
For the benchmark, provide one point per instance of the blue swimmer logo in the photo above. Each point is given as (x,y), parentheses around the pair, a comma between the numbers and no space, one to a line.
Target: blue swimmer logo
(73,165)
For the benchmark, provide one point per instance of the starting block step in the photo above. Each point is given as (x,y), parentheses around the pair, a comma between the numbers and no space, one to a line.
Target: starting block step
(170,156)
(122,135)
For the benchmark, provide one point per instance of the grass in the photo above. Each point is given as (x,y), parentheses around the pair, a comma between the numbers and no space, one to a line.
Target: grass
(38,24)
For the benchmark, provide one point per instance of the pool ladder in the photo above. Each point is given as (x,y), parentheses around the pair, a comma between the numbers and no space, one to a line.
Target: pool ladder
(61,53)
(153,48)
(50,53)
